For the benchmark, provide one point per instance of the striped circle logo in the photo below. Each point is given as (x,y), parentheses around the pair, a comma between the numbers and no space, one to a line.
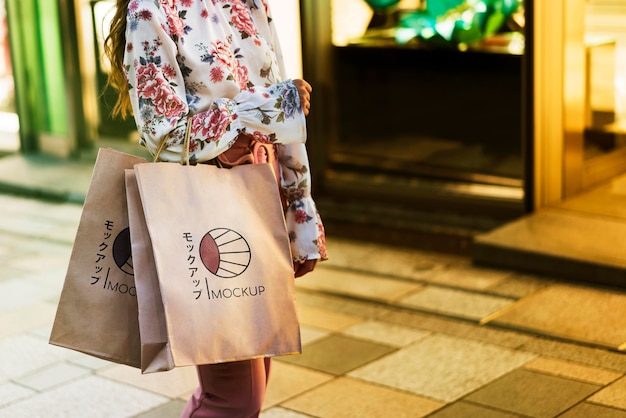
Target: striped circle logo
(225,253)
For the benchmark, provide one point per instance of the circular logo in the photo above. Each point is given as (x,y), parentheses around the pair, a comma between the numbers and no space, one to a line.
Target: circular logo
(225,253)
(122,253)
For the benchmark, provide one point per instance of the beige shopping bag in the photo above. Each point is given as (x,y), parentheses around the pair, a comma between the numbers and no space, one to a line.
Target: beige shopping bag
(223,260)
(155,352)
(97,311)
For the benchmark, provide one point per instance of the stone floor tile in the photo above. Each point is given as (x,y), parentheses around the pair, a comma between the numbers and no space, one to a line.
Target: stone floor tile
(533,394)
(287,381)
(456,328)
(26,318)
(325,319)
(583,314)
(10,392)
(38,245)
(171,383)
(58,213)
(338,354)
(54,375)
(42,332)
(384,333)
(169,410)
(587,410)
(592,356)
(573,371)
(6,250)
(19,292)
(31,226)
(442,367)
(366,256)
(467,410)
(65,233)
(49,280)
(39,262)
(282,413)
(519,285)
(357,284)
(93,397)
(310,334)
(89,362)
(23,354)
(8,274)
(348,398)
(613,395)
(455,303)
(468,277)
(353,308)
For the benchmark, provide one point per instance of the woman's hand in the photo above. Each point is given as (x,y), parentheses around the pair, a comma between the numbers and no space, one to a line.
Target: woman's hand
(303,267)
(304,90)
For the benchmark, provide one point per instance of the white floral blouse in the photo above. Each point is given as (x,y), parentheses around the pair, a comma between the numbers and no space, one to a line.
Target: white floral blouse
(219,60)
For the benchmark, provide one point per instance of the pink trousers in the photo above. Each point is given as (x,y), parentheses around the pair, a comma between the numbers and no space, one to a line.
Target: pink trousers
(229,390)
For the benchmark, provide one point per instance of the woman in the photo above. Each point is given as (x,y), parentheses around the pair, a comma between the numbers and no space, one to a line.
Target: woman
(219,62)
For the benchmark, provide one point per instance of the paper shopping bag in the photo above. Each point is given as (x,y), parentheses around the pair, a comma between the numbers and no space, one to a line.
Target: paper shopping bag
(222,255)
(97,310)
(155,352)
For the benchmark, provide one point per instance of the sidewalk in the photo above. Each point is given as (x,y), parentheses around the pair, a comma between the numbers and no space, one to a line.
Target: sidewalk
(387,332)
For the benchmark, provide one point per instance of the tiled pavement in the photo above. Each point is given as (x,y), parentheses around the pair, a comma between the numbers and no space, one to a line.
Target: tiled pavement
(387,332)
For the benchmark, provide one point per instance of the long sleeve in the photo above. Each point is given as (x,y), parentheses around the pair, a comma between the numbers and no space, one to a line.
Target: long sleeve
(306,231)
(164,91)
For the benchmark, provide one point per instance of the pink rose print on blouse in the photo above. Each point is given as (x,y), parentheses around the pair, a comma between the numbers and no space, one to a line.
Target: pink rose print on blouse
(211,125)
(222,53)
(152,86)
(176,24)
(241,76)
(242,19)
(168,104)
(176,20)
(174,3)
(148,80)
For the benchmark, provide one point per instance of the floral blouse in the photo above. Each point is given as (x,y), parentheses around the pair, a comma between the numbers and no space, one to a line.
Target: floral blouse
(219,60)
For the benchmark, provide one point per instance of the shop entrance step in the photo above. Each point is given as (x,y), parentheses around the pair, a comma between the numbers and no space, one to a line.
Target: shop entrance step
(559,242)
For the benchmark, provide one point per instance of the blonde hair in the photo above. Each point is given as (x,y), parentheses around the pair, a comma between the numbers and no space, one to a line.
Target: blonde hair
(114,48)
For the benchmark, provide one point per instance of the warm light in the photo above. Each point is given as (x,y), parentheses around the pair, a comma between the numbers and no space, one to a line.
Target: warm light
(286,14)
(349,20)
(103,12)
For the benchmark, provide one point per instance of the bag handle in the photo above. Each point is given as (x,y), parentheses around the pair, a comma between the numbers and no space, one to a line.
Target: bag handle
(183,160)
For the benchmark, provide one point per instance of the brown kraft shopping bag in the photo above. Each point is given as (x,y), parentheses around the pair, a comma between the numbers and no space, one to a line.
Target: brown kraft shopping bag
(97,311)
(223,260)
(155,353)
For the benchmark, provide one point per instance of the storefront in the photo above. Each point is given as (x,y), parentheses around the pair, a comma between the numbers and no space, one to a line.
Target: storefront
(417,137)
(411,141)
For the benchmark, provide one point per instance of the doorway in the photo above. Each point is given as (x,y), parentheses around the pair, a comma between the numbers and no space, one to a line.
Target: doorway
(577,227)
